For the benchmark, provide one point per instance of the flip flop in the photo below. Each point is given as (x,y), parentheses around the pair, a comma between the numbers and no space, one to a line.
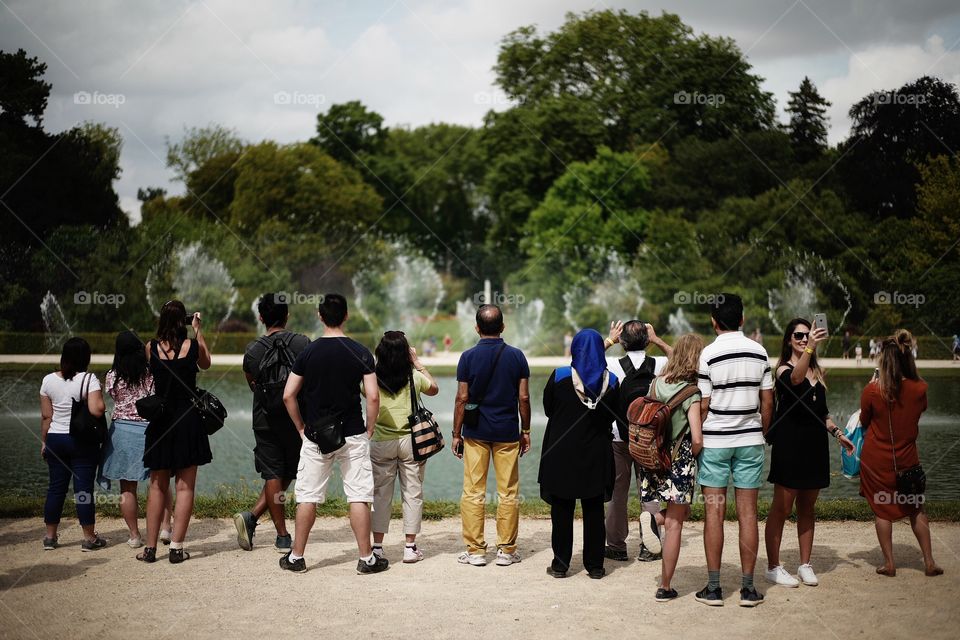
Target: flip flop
(884,572)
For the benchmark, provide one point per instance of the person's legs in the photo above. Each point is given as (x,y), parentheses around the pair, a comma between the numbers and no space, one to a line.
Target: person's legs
(780,508)
(58,468)
(384,460)
(360,523)
(129,507)
(306,516)
(84,466)
(617,524)
(357,472)
(157,499)
(411,489)
(506,466)
(749,531)
(593,532)
(186,483)
(673,526)
(921,529)
(476,461)
(885,538)
(714,507)
(806,522)
(313,474)
(561,535)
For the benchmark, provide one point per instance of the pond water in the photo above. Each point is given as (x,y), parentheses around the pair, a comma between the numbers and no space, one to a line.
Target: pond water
(23,471)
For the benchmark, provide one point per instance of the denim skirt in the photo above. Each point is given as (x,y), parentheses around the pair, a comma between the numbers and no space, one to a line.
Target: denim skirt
(123,451)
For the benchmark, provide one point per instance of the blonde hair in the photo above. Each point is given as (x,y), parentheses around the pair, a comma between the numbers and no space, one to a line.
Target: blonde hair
(683,364)
(896,363)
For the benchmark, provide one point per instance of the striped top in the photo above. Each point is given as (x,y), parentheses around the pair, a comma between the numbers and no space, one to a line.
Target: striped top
(733,370)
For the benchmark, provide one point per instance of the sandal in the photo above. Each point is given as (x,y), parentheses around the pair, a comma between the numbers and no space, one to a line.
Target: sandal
(178,555)
(883,571)
(149,554)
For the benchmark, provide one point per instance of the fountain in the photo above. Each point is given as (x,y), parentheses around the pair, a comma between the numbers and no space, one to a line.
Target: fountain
(55,322)
(614,294)
(199,280)
(677,323)
(523,320)
(807,281)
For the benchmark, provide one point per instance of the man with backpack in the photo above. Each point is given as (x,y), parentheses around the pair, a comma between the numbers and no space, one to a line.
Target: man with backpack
(635,370)
(266,364)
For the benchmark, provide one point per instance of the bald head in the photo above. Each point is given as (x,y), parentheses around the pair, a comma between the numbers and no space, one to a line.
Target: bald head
(489,320)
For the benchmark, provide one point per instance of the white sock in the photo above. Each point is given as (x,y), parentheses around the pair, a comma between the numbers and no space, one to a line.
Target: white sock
(294,557)
(370,559)
(176,545)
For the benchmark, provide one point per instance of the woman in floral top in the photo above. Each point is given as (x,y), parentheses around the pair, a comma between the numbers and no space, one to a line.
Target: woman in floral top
(127,381)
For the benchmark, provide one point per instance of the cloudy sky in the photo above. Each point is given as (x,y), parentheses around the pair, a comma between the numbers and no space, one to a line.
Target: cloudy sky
(266,68)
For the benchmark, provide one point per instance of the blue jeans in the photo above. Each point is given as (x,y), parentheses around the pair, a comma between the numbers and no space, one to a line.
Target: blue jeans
(66,458)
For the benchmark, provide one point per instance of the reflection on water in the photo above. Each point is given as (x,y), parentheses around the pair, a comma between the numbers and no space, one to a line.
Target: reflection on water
(22,470)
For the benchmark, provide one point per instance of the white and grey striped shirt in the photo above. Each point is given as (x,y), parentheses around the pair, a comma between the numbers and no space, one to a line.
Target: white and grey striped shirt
(733,370)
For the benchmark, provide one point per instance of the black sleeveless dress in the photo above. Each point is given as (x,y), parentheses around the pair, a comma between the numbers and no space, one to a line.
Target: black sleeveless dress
(176,439)
(801,445)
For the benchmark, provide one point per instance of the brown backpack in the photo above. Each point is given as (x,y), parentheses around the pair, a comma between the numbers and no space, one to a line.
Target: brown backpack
(650,427)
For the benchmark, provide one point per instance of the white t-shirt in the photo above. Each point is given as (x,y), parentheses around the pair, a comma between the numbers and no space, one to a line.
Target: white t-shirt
(62,393)
(636,357)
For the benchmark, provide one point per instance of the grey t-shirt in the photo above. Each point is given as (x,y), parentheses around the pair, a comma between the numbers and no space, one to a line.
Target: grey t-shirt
(253,355)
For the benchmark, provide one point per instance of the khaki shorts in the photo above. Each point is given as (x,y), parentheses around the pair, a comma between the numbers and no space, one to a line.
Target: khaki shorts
(313,473)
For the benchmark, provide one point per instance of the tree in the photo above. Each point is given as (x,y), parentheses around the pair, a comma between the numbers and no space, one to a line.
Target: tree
(892,132)
(205,161)
(349,132)
(24,92)
(808,123)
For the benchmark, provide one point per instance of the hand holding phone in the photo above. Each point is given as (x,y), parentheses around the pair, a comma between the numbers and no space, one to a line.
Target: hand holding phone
(820,321)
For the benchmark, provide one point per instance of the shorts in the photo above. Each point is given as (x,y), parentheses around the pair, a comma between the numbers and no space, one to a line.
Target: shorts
(277,453)
(745,463)
(675,485)
(313,473)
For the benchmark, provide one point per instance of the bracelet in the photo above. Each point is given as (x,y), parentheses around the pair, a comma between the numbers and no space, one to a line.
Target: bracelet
(527,431)
(808,350)
(607,343)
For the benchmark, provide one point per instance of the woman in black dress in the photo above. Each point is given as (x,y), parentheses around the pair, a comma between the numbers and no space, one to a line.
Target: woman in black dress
(176,442)
(800,436)
(576,461)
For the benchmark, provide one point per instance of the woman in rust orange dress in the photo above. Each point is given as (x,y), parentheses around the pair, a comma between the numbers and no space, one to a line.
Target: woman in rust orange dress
(890,408)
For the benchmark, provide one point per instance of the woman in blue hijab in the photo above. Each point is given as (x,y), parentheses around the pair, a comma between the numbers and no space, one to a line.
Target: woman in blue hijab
(576,461)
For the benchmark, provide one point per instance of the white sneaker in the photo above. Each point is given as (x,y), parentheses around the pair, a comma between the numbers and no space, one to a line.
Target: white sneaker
(507,559)
(413,554)
(649,532)
(807,576)
(135,543)
(475,559)
(779,575)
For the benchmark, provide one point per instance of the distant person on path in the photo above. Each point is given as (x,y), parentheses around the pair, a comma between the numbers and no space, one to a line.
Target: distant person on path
(129,380)
(447,343)
(858,352)
(492,389)
(800,458)
(580,402)
(330,374)
(635,370)
(176,442)
(66,457)
(845,345)
(956,348)
(890,409)
(391,451)
(267,362)
(737,407)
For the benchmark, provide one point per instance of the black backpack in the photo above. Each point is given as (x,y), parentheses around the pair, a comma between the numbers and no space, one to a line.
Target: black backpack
(275,366)
(635,384)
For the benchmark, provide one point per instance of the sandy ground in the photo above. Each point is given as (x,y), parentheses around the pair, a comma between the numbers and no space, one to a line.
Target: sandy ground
(223,592)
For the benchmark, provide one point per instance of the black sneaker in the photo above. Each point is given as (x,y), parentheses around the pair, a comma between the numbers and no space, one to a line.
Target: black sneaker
(646,556)
(246,524)
(49,544)
(597,573)
(619,555)
(93,545)
(297,566)
(750,597)
(284,544)
(712,597)
(666,595)
(556,573)
(379,564)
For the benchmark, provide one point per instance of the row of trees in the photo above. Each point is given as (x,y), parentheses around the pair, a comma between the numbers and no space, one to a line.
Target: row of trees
(627,135)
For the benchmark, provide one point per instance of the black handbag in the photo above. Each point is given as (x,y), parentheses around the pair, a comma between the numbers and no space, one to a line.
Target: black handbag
(424,431)
(471,412)
(84,426)
(326,433)
(912,481)
(211,410)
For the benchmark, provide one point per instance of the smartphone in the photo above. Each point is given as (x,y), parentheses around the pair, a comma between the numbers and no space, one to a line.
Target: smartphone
(820,321)
(460,447)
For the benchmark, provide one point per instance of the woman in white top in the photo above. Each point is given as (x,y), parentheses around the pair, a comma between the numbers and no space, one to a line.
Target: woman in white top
(66,457)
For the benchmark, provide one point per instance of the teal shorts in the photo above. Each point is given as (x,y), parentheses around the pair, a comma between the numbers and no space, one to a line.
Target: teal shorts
(745,463)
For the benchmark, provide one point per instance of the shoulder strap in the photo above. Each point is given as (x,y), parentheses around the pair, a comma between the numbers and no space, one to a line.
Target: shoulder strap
(681,396)
(493,370)
(413,396)
(627,365)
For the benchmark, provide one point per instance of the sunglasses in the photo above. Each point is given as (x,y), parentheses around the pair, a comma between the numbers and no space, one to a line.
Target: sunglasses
(801,335)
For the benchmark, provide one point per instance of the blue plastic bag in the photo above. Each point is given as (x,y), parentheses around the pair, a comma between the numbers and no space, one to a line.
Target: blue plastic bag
(850,463)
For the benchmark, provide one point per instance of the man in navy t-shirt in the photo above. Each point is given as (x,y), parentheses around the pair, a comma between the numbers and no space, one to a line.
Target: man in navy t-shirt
(491,419)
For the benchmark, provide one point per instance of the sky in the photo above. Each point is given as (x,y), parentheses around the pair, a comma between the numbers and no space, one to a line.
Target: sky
(265,69)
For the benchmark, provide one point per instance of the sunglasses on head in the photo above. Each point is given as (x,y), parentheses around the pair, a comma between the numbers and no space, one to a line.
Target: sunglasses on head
(801,335)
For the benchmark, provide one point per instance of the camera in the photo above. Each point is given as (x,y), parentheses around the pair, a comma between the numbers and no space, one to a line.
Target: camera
(188,319)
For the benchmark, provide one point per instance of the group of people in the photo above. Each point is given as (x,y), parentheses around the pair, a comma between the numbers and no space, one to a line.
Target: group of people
(733,403)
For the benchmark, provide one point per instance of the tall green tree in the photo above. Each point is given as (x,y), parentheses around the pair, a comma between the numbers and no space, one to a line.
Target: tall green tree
(349,132)
(808,121)
(205,160)
(24,93)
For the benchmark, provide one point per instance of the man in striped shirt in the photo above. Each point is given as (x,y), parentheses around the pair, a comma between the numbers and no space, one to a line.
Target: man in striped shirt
(737,406)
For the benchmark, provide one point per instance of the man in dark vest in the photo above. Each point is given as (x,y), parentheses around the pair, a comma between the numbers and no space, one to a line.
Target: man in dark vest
(635,370)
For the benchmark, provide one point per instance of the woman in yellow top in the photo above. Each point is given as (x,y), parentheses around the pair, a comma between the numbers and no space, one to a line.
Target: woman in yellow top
(391,451)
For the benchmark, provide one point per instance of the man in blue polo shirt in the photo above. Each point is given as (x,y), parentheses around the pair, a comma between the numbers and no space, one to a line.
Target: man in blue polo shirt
(491,419)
